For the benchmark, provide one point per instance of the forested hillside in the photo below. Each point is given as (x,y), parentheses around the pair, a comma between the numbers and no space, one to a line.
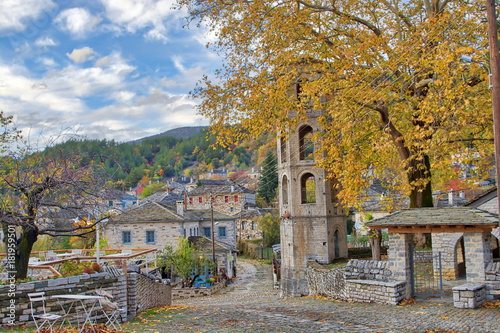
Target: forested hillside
(160,157)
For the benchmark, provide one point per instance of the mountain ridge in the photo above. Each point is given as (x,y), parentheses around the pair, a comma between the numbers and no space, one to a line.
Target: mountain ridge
(179,132)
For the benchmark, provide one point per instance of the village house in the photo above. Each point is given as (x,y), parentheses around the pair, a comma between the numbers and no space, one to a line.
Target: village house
(247,224)
(228,197)
(115,201)
(157,224)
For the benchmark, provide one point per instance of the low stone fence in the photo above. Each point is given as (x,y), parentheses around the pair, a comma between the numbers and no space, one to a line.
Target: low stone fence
(359,281)
(368,270)
(180,293)
(137,292)
(469,296)
(369,291)
(145,293)
(82,284)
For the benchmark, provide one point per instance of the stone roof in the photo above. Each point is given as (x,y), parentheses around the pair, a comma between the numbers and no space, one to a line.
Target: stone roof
(449,216)
(216,186)
(482,198)
(205,244)
(112,194)
(149,212)
(442,199)
(163,212)
(163,197)
(253,213)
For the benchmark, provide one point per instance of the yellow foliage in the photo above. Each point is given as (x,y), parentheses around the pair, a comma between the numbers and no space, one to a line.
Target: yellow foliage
(386,74)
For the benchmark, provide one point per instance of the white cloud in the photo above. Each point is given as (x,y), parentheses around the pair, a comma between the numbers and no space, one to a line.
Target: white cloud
(77,21)
(45,41)
(82,55)
(47,62)
(134,15)
(15,15)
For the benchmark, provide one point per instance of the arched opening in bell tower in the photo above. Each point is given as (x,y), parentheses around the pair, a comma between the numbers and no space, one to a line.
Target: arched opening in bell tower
(284,190)
(308,188)
(306,144)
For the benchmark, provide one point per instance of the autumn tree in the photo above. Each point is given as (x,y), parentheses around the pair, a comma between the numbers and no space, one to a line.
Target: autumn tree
(45,195)
(387,74)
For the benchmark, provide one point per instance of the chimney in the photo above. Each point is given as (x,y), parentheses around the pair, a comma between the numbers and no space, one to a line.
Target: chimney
(461,194)
(451,196)
(180,207)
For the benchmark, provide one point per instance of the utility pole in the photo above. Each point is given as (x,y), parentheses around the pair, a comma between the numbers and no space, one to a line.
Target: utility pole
(495,79)
(212,220)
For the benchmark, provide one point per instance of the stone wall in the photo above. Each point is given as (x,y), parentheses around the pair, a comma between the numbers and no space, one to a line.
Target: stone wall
(145,293)
(329,283)
(180,293)
(82,284)
(142,293)
(493,281)
(359,281)
(368,270)
(369,291)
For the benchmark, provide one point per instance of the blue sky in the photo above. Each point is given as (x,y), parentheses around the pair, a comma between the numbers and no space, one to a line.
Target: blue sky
(114,69)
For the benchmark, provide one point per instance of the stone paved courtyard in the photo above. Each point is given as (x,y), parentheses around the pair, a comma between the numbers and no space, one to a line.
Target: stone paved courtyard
(251,305)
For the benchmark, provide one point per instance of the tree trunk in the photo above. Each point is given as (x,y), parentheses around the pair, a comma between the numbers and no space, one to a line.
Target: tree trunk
(421,197)
(375,237)
(24,246)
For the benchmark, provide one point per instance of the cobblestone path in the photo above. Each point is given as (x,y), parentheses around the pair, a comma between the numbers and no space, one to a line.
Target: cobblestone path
(252,305)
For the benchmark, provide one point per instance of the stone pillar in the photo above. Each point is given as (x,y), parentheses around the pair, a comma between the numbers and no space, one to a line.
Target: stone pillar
(477,255)
(399,259)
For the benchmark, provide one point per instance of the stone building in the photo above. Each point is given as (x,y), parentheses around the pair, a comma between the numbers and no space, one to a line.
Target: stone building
(155,225)
(229,198)
(247,224)
(313,225)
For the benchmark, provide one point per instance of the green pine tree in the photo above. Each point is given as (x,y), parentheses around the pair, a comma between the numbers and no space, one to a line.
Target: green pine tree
(268,180)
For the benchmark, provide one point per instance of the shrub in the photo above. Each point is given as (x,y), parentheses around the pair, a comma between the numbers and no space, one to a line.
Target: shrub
(96,267)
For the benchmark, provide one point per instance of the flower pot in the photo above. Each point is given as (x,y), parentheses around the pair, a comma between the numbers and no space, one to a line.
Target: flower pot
(208,284)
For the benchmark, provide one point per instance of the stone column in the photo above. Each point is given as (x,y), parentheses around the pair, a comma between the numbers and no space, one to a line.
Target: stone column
(477,255)
(399,259)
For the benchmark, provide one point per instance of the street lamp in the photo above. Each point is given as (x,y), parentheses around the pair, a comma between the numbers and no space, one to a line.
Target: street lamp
(469,60)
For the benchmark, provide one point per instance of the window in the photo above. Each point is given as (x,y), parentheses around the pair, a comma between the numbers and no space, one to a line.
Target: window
(184,233)
(236,198)
(133,203)
(206,232)
(190,201)
(253,225)
(222,231)
(231,209)
(226,198)
(190,232)
(150,236)
(306,145)
(308,188)
(126,237)
(110,203)
(243,225)
(200,200)
(284,190)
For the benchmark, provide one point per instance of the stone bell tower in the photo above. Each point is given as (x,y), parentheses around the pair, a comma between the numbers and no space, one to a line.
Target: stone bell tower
(313,225)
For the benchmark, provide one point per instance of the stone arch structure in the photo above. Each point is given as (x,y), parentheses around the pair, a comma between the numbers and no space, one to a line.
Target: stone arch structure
(308,227)
(447,244)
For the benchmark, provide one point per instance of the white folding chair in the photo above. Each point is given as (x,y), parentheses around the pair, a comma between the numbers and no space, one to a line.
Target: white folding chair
(44,317)
(112,312)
